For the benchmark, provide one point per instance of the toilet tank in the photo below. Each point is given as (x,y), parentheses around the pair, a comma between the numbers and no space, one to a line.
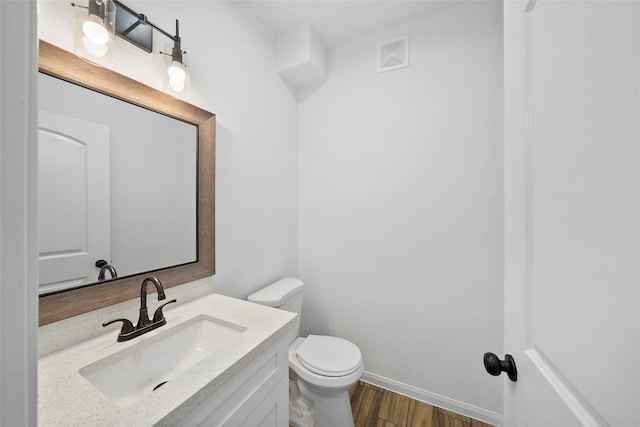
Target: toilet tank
(285,294)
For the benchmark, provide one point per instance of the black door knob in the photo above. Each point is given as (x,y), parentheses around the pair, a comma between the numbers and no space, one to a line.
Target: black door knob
(495,366)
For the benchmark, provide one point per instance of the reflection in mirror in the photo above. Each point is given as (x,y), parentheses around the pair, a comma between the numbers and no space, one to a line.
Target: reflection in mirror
(116,182)
(142,195)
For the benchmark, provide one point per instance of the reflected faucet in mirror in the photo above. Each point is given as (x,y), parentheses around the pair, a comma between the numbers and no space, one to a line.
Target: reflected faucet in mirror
(103,272)
(144,325)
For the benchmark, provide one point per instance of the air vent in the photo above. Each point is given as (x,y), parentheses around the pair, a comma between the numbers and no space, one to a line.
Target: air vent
(393,54)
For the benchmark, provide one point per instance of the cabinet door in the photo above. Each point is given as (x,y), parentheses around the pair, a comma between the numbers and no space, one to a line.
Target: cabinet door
(273,411)
(257,395)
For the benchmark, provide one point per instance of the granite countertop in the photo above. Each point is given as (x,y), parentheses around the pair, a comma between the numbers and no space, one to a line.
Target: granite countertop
(65,398)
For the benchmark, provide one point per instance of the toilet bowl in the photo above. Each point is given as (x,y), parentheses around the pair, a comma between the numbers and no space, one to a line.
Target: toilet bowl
(322,368)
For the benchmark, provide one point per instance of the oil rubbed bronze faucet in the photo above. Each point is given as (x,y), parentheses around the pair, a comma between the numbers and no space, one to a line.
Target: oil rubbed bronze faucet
(144,324)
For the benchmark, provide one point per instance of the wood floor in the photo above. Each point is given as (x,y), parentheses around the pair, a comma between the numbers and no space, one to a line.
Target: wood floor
(376,407)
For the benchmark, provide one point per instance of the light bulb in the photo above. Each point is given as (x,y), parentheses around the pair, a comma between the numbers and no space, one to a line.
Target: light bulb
(94,49)
(176,86)
(95,31)
(176,73)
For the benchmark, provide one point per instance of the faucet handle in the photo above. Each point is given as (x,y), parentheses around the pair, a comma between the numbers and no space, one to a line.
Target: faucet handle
(127,326)
(158,316)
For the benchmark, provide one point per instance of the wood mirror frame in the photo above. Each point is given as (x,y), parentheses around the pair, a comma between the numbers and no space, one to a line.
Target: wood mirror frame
(67,66)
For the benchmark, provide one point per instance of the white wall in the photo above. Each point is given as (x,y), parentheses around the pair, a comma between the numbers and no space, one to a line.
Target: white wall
(231,59)
(400,187)
(18,252)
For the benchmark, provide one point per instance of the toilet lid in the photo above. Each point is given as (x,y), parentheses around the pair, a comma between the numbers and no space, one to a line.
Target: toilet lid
(329,356)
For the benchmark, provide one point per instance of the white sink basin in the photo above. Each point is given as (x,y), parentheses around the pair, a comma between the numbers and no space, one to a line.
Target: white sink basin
(129,375)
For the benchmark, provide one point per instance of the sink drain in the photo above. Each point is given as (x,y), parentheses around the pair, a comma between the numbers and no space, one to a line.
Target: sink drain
(160,385)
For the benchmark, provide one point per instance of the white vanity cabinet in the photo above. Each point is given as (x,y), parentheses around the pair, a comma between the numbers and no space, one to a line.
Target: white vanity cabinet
(257,396)
(243,380)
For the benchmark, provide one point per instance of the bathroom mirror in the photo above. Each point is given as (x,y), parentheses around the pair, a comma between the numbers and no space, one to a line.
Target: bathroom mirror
(193,232)
(116,185)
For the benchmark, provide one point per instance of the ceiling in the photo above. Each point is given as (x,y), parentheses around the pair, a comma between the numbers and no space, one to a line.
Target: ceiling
(339,21)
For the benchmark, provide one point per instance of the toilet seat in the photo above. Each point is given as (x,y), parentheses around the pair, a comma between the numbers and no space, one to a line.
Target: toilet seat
(329,356)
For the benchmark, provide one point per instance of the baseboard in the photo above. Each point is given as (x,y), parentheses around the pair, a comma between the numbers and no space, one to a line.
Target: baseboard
(433,399)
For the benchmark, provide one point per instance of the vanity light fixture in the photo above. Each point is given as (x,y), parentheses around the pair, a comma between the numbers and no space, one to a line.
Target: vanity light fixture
(138,30)
(95,30)
(177,80)
(101,20)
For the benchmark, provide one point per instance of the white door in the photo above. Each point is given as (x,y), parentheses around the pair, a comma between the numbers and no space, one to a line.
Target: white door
(572,172)
(73,200)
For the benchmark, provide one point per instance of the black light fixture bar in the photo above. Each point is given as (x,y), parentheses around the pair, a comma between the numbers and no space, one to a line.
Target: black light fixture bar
(138,30)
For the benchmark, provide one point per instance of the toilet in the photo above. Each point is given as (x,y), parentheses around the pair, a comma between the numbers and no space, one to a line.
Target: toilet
(322,368)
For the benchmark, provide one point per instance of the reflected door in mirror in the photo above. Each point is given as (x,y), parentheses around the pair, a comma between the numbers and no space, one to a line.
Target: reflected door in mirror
(73,200)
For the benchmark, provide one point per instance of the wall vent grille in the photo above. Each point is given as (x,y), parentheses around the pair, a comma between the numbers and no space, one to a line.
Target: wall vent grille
(393,54)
